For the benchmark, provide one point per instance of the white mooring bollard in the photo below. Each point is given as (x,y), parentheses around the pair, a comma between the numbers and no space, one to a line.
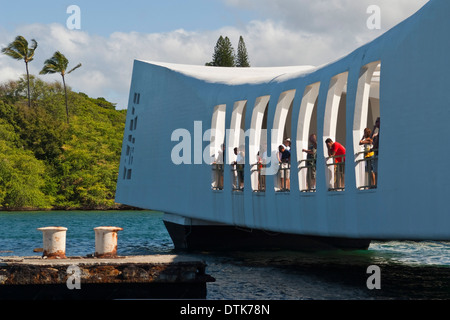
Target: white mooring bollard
(106,241)
(54,242)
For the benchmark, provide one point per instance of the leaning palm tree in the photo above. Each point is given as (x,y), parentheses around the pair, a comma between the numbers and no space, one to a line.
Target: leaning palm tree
(58,64)
(18,49)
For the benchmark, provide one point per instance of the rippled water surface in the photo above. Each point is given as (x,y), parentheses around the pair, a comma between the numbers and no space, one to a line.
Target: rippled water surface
(408,270)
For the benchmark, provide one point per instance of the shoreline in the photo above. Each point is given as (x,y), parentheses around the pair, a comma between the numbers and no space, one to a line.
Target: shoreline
(118,207)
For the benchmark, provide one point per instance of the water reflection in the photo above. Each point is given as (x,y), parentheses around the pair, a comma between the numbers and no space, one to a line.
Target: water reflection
(404,273)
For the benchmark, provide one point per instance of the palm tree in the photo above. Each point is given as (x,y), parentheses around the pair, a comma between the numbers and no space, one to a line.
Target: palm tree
(18,49)
(58,64)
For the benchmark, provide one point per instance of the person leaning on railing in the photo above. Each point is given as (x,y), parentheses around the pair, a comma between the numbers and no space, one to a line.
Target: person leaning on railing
(337,151)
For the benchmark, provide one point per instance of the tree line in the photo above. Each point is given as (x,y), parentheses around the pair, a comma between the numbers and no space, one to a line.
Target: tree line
(45,161)
(224,55)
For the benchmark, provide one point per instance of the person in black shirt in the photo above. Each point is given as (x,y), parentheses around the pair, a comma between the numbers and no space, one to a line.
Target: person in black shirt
(284,158)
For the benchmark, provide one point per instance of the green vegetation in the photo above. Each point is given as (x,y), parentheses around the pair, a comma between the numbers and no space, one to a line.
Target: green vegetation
(242,56)
(47,163)
(19,50)
(58,64)
(224,55)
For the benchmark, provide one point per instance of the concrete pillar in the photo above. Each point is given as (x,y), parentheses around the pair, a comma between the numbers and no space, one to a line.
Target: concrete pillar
(106,241)
(54,242)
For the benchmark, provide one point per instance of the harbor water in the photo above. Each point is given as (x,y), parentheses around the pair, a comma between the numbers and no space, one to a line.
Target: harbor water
(406,270)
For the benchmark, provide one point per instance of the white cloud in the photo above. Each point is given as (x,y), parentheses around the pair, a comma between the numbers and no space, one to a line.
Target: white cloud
(328,16)
(107,62)
(289,32)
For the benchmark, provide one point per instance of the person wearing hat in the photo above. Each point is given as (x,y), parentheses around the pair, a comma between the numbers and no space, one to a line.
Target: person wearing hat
(284,158)
(287,144)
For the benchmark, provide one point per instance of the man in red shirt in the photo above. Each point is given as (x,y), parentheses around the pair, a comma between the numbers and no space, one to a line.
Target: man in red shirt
(337,150)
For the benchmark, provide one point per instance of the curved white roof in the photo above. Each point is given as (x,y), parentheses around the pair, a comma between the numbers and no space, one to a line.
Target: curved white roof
(236,76)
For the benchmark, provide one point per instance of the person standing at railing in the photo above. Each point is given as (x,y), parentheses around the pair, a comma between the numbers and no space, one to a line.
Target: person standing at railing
(337,151)
(366,142)
(262,161)
(376,138)
(284,158)
(287,144)
(218,167)
(311,162)
(239,167)
(376,135)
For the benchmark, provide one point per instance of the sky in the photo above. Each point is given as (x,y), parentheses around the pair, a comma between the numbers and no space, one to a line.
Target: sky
(111,34)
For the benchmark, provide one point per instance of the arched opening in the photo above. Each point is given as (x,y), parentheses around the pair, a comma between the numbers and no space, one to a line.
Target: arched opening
(236,147)
(307,139)
(258,144)
(366,126)
(217,146)
(281,133)
(334,132)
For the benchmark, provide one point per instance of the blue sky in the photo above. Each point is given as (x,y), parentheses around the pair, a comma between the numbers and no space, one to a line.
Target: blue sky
(106,17)
(114,33)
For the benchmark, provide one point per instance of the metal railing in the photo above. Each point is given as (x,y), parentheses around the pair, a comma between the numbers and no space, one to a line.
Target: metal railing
(339,173)
(310,166)
(369,180)
(258,169)
(371,161)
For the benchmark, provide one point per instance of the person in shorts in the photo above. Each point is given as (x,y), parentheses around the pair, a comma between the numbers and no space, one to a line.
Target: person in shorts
(284,158)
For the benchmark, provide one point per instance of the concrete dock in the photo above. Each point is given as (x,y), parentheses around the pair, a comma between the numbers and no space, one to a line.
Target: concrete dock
(121,277)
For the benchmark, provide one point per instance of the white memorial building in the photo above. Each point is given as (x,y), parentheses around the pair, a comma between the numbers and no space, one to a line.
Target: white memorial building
(395,187)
